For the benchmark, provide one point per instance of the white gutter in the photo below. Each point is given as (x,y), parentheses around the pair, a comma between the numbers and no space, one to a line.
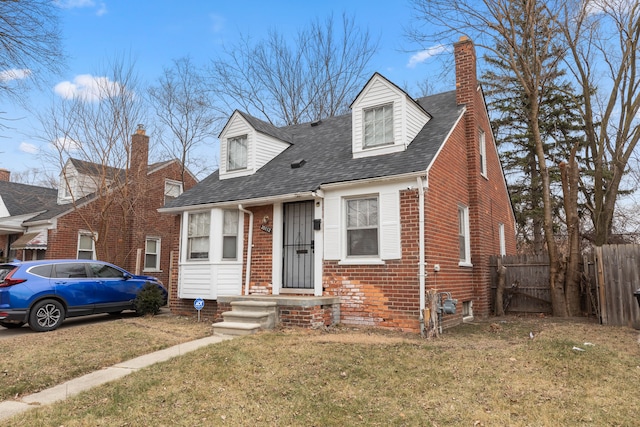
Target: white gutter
(421,263)
(249,246)
(252,202)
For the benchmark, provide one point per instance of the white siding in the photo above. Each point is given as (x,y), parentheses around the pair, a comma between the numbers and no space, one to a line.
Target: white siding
(266,148)
(390,224)
(229,279)
(196,281)
(237,126)
(408,117)
(261,148)
(332,221)
(415,119)
(389,220)
(213,277)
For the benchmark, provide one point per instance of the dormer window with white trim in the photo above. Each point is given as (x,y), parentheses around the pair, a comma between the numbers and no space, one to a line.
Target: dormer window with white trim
(237,153)
(378,126)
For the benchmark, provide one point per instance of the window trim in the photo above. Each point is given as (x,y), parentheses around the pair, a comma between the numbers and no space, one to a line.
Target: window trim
(189,241)
(465,233)
(482,146)
(94,237)
(168,182)
(158,241)
(502,240)
(364,258)
(246,154)
(382,107)
(225,234)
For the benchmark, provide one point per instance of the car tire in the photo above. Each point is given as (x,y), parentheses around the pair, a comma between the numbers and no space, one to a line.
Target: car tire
(46,315)
(12,325)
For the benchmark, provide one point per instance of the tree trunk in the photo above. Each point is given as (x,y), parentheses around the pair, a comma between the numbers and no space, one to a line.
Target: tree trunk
(569,176)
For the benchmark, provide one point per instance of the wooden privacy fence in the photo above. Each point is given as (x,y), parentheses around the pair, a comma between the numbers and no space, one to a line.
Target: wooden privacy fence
(526,283)
(610,276)
(617,272)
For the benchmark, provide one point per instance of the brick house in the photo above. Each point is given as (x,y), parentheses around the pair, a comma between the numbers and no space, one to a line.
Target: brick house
(122,227)
(351,219)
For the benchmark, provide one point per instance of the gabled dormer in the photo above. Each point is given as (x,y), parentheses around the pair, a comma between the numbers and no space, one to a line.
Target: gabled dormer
(247,144)
(385,119)
(79,178)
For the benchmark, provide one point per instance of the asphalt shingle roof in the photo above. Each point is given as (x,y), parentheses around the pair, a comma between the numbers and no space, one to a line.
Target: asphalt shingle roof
(326,149)
(23,199)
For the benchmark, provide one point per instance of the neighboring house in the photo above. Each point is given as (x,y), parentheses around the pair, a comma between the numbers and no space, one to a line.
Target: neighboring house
(351,219)
(74,222)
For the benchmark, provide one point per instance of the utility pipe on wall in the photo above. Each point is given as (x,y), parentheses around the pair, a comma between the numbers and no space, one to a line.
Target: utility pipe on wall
(421,264)
(250,245)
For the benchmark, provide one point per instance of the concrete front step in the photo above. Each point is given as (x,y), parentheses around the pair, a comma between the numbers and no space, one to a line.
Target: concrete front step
(259,306)
(235,328)
(266,320)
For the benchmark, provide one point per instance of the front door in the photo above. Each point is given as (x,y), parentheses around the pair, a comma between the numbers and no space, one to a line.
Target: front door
(298,246)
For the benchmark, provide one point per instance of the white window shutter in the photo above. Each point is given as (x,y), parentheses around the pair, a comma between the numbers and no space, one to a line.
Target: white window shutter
(332,214)
(390,247)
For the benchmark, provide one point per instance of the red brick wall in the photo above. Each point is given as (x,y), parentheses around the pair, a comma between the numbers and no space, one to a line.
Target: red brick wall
(381,295)
(262,253)
(119,236)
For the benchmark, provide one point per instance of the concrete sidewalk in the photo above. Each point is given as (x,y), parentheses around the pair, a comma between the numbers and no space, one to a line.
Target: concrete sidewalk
(9,408)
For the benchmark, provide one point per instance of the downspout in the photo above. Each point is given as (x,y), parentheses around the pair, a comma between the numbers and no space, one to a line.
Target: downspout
(421,264)
(247,274)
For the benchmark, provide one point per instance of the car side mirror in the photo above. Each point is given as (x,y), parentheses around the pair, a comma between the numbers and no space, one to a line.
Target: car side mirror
(126,276)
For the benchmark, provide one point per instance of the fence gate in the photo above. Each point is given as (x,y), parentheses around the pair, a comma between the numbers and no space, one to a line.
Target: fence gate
(618,276)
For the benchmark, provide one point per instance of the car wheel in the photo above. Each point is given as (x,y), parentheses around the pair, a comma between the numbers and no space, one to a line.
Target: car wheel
(12,325)
(46,315)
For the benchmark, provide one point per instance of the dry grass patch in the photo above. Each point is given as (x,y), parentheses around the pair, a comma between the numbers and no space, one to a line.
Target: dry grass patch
(485,374)
(34,361)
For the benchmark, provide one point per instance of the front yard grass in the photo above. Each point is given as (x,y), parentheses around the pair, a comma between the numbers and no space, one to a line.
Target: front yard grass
(482,374)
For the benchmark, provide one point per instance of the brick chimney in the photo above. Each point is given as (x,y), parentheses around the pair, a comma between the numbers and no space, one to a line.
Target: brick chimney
(139,152)
(5,175)
(466,77)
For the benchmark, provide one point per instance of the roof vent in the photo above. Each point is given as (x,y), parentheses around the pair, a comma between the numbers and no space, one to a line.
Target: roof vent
(316,123)
(298,164)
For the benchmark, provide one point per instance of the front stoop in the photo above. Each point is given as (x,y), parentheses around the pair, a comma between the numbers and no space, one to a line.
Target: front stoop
(247,317)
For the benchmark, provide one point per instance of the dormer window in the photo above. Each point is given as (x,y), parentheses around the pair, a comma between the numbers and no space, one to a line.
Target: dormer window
(237,153)
(378,126)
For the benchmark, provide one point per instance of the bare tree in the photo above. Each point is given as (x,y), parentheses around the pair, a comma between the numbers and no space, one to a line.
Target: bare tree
(524,36)
(95,129)
(185,107)
(603,53)
(316,76)
(30,44)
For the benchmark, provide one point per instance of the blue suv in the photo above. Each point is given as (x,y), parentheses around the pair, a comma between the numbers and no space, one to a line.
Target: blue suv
(44,293)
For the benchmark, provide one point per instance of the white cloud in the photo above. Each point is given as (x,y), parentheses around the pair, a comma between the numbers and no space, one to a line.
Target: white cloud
(423,55)
(65,144)
(14,74)
(217,22)
(102,10)
(25,147)
(75,4)
(71,4)
(87,88)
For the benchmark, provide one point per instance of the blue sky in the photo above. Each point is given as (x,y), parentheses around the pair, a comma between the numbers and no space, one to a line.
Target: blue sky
(154,33)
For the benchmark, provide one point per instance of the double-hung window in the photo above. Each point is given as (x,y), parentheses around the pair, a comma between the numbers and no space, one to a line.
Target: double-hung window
(378,126)
(362,227)
(237,153)
(86,245)
(198,235)
(230,235)
(172,189)
(463,235)
(152,254)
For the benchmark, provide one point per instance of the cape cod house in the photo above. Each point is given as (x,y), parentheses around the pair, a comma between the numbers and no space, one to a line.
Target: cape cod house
(351,219)
(74,222)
